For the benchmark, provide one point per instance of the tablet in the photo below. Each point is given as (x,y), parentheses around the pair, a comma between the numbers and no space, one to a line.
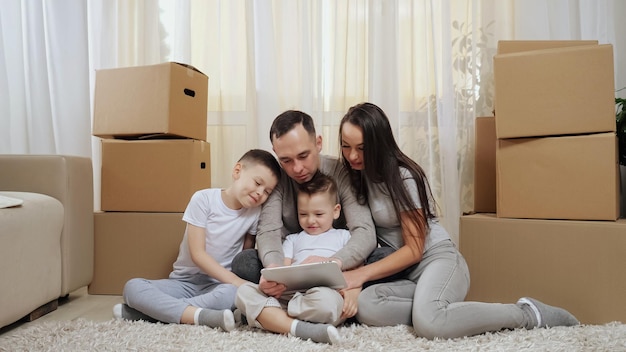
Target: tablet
(301,277)
(8,202)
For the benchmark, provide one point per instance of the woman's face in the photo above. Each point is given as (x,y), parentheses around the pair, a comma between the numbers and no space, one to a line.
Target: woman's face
(352,145)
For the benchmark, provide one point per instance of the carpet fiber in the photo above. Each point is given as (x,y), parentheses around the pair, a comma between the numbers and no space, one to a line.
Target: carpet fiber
(84,335)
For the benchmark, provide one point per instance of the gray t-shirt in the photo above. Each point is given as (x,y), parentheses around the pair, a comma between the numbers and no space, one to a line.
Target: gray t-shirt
(384,214)
(279,217)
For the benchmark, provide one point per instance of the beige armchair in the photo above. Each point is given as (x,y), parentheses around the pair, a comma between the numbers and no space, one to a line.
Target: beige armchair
(47,243)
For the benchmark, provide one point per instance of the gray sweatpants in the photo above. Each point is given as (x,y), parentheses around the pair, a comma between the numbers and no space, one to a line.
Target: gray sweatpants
(166,299)
(431,298)
(316,305)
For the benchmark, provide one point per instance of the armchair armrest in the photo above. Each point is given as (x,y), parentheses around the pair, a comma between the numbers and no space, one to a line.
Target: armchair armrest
(70,180)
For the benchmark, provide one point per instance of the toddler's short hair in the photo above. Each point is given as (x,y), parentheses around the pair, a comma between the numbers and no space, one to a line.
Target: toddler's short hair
(320,183)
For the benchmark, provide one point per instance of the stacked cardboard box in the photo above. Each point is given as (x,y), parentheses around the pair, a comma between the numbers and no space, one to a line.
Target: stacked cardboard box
(549,156)
(152,124)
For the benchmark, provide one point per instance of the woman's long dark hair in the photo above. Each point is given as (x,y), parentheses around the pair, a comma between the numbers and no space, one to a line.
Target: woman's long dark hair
(383,159)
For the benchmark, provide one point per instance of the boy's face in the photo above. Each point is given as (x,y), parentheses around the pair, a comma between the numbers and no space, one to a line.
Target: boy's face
(317,212)
(298,153)
(252,184)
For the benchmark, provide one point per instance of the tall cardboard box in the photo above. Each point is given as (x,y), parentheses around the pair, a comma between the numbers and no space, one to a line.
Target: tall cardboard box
(168,99)
(567,177)
(485,165)
(550,92)
(153,175)
(129,245)
(577,265)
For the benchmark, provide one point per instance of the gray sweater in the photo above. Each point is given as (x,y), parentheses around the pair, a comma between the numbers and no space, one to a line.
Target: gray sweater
(279,218)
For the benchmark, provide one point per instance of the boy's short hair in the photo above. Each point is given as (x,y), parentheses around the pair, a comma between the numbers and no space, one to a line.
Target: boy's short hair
(286,121)
(320,183)
(261,157)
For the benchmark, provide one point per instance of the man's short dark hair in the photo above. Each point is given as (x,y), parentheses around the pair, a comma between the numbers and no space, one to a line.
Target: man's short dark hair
(286,121)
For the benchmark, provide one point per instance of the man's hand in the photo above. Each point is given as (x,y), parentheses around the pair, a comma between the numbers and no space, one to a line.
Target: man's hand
(271,288)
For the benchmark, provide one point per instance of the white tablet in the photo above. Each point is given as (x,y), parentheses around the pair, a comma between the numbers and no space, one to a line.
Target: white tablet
(301,277)
(8,202)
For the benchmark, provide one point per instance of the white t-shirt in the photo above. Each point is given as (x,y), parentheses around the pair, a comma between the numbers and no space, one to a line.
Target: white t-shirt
(299,246)
(224,228)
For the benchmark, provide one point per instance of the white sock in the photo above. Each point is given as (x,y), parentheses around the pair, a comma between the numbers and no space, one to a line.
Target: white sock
(196,314)
(292,330)
(117,311)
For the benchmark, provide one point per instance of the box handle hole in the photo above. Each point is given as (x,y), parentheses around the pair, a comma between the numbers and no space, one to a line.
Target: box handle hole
(190,92)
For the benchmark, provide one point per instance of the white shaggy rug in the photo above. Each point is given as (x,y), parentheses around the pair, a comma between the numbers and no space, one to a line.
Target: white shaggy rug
(114,335)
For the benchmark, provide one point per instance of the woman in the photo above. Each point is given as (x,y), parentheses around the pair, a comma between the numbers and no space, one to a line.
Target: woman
(436,277)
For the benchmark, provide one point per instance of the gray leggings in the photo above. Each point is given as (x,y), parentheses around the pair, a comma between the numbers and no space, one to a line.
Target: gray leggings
(166,299)
(431,298)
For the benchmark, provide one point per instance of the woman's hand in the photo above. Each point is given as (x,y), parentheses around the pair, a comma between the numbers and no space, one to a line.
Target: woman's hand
(354,279)
(350,302)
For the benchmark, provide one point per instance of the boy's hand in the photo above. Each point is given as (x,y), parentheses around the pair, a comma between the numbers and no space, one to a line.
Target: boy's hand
(350,302)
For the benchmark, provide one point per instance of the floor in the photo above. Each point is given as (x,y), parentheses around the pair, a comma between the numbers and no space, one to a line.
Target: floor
(79,304)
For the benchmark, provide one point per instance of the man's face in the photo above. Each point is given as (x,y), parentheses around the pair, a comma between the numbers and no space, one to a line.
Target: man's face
(298,153)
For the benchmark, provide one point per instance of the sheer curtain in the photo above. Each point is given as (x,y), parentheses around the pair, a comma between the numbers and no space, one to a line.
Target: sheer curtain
(44,90)
(427,63)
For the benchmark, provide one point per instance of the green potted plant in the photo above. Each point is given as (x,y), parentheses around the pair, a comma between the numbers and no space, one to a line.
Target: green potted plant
(620,118)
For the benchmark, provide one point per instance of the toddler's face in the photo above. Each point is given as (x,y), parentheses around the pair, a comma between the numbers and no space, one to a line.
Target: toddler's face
(317,212)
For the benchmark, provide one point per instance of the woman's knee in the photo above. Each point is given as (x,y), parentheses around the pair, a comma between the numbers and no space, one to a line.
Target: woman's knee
(367,313)
(432,326)
(386,304)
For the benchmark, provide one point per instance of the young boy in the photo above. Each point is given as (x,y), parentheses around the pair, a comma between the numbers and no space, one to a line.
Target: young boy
(315,313)
(220,223)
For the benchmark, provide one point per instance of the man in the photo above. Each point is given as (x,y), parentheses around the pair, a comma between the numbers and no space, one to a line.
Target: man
(298,148)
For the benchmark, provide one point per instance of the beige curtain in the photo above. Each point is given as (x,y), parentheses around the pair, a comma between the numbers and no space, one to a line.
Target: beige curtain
(428,64)
(324,56)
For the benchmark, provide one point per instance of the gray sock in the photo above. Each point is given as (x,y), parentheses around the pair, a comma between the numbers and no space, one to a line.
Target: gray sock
(317,332)
(542,315)
(129,313)
(217,318)
(239,317)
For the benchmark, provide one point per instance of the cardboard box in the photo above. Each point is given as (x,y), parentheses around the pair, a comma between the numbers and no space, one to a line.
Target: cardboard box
(154,175)
(555,92)
(516,46)
(568,177)
(129,245)
(485,165)
(168,99)
(577,265)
